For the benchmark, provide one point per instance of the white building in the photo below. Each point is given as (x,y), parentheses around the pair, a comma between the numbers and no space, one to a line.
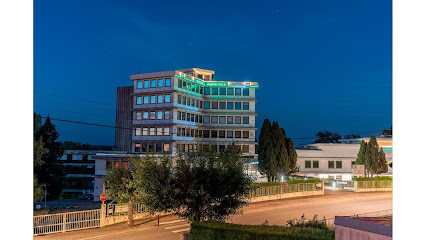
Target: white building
(335,160)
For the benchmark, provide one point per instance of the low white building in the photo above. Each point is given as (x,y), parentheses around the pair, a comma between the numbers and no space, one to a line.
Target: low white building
(335,160)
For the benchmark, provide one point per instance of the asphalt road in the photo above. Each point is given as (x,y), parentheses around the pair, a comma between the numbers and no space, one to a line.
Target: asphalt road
(275,212)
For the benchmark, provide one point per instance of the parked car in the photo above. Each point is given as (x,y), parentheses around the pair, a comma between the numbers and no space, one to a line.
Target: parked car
(86,196)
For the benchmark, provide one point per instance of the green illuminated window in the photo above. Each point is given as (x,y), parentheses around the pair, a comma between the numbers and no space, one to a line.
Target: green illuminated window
(206,105)
(183,84)
(230,91)
(316,164)
(238,91)
(222,91)
(308,164)
(206,91)
(214,91)
(330,164)
(338,164)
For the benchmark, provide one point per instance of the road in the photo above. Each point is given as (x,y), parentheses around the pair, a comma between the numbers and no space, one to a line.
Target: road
(275,212)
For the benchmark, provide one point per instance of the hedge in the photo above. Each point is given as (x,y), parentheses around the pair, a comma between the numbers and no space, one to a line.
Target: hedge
(268,184)
(372,179)
(216,230)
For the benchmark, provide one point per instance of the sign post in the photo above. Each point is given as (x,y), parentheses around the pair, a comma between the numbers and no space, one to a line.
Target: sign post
(103,198)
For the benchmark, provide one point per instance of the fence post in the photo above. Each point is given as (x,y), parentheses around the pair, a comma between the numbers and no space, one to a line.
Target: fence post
(103,215)
(64,222)
(355,186)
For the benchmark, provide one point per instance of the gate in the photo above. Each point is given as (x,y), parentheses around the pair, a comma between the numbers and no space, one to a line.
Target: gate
(63,222)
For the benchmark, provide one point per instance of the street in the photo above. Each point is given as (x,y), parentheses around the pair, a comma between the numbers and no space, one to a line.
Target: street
(275,212)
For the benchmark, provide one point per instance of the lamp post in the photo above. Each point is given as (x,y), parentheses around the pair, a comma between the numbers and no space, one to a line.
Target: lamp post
(45,194)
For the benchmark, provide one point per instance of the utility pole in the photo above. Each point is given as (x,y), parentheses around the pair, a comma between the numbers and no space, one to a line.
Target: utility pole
(45,194)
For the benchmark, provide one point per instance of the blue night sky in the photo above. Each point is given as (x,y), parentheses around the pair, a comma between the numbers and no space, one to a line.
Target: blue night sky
(320,64)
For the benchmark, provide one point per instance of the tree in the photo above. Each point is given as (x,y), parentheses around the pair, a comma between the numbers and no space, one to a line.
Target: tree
(122,187)
(292,156)
(37,190)
(39,151)
(327,137)
(387,132)
(362,156)
(372,157)
(266,157)
(279,146)
(382,166)
(352,136)
(69,145)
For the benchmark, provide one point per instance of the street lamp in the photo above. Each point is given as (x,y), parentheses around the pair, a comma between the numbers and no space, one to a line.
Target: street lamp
(45,194)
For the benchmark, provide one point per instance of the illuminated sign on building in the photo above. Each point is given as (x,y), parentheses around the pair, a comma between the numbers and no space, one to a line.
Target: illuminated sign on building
(216,84)
(387,149)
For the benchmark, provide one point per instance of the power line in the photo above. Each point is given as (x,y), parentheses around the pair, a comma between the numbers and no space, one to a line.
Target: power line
(44,100)
(342,134)
(82,113)
(80,99)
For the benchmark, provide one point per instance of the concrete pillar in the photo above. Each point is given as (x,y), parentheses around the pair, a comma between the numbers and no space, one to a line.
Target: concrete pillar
(103,215)
(355,186)
(322,183)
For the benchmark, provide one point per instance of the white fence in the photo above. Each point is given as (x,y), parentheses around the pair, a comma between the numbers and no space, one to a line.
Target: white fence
(63,222)
(282,189)
(382,213)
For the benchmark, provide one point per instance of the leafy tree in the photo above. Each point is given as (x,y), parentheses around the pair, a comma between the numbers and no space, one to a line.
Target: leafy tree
(352,136)
(266,157)
(327,137)
(39,151)
(362,156)
(387,132)
(372,157)
(121,184)
(69,145)
(382,166)
(281,154)
(37,190)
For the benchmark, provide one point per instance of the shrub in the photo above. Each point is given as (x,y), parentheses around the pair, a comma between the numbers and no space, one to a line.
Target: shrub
(216,230)
(301,223)
(372,179)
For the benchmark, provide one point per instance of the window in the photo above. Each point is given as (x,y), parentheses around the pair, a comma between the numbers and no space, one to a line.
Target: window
(221,134)
(308,164)
(160,115)
(160,83)
(178,131)
(222,120)
(221,148)
(144,131)
(229,134)
(246,149)
(151,131)
(338,164)
(146,84)
(222,91)
(245,91)
(166,114)
(138,115)
(179,116)
(230,120)
(158,147)
(214,91)
(168,82)
(237,134)
(183,116)
(159,131)
(138,100)
(179,83)
(192,118)
(230,91)
(246,106)
(167,98)
(144,148)
(69,157)
(179,99)
(206,133)
(214,119)
(214,105)
(184,85)
(137,149)
(153,83)
(166,131)
(352,164)
(196,118)
(192,102)
(206,105)
(153,99)
(145,115)
(237,105)
(315,164)
(188,117)
(200,76)
(238,120)
(139,84)
(330,164)
(207,91)
(138,131)
(152,115)
(245,120)
(166,148)
(246,134)
(222,105)
(145,99)
(201,90)
(238,91)
(206,119)
(230,105)
(160,99)
(214,133)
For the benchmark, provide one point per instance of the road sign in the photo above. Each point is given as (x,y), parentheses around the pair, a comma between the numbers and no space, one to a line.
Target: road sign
(103,197)
(358,169)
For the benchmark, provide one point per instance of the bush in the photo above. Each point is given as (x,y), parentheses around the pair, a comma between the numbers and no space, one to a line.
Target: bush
(372,179)
(216,230)
(268,184)
(301,223)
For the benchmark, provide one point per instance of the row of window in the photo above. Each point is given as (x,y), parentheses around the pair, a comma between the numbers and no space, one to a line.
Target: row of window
(184,100)
(211,119)
(152,147)
(161,98)
(116,164)
(152,131)
(331,164)
(216,148)
(153,115)
(189,132)
(154,83)
(230,91)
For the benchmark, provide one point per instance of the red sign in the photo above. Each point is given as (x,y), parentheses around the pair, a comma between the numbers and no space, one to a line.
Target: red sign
(103,197)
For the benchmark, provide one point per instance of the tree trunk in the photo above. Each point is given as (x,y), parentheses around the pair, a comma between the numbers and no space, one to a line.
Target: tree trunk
(130,213)
(158,219)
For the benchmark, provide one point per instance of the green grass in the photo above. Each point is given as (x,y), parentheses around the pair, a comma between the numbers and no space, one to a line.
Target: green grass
(372,179)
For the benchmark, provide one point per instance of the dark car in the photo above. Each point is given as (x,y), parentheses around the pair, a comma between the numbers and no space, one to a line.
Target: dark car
(86,196)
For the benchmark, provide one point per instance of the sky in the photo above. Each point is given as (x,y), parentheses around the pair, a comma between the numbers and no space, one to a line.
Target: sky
(320,65)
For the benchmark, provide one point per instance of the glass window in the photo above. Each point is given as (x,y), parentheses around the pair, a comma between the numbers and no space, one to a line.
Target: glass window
(207,91)
(184,84)
(230,91)
(192,102)
(214,119)
(138,115)
(138,100)
(214,134)
(153,99)
(160,83)
(230,105)
(179,99)
(159,131)
(206,119)
(214,105)
(200,76)
(307,164)
(221,134)
(201,90)
(166,131)
(137,149)
(168,82)
(144,148)
(139,84)
(237,134)
(183,116)
(196,118)
(146,84)
(166,114)
(151,131)
(160,115)
(178,131)
(152,115)
(183,100)
(230,120)
(214,91)
(338,164)
(206,105)
(144,131)
(237,105)
(245,120)
(229,134)
(145,115)
(158,147)
(167,98)
(160,99)
(179,83)
(192,118)
(222,91)
(222,119)
(352,164)
(206,133)
(246,149)
(188,117)
(221,148)
(238,120)
(245,134)
(145,99)
(315,164)
(222,105)
(330,164)
(138,131)
(246,106)
(166,147)
(153,83)
(238,91)
(245,91)
(179,115)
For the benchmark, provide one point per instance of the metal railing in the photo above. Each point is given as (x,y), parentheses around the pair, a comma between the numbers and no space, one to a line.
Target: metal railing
(282,189)
(63,222)
(382,213)
(375,184)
